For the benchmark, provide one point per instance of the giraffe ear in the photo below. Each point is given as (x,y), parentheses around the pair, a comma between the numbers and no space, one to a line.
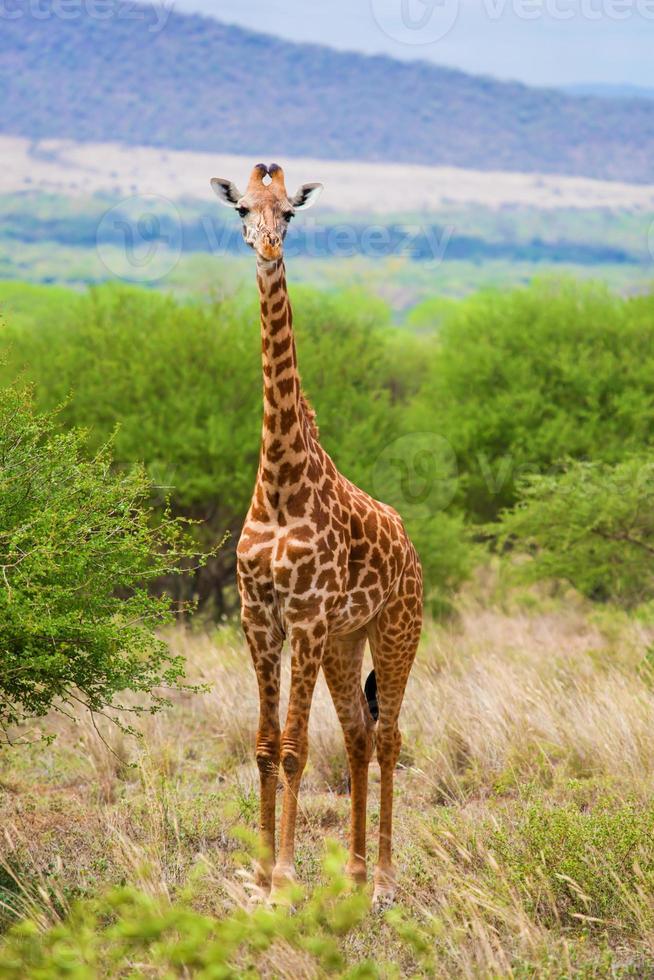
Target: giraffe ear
(226,192)
(306,197)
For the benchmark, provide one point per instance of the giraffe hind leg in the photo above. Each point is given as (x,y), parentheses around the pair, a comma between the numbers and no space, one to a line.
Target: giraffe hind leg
(342,662)
(394,640)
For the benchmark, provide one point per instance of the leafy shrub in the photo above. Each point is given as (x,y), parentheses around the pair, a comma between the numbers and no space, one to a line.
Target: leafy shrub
(446,553)
(127,930)
(522,379)
(593,525)
(180,386)
(77,549)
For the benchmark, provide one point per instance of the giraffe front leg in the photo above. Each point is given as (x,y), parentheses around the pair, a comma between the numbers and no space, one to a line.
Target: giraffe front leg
(306,652)
(265,642)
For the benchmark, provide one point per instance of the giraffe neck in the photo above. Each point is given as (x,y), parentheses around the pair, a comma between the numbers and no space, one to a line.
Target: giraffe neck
(288,427)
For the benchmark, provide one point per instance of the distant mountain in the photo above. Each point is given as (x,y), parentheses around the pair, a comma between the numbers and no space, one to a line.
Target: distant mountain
(606,91)
(201,85)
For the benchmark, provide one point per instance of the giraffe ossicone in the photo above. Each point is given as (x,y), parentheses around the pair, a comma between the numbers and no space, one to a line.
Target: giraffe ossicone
(321,564)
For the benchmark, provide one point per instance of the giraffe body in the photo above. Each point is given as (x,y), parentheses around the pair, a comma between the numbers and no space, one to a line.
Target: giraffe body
(321,564)
(325,549)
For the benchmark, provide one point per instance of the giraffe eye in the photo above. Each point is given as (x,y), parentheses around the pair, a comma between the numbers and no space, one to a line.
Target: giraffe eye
(288,215)
(244,212)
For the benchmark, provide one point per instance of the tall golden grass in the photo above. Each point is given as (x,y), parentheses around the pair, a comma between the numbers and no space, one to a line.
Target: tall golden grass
(520,711)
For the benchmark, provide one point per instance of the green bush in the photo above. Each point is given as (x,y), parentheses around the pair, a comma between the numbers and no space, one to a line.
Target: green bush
(127,930)
(512,382)
(592,526)
(522,379)
(78,548)
(178,386)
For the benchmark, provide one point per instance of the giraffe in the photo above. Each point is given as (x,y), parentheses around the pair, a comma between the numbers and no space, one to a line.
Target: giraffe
(322,565)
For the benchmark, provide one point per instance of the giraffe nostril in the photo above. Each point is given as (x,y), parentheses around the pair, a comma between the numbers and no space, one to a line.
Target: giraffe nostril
(271,239)
(270,243)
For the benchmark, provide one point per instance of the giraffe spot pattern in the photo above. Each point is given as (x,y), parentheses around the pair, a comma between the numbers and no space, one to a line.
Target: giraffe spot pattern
(323,564)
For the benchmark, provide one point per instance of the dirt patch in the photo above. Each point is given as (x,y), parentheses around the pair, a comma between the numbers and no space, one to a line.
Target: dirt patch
(78,169)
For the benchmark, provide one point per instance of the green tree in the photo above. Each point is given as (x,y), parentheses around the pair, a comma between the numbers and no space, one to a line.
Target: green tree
(78,547)
(592,525)
(176,387)
(182,384)
(520,380)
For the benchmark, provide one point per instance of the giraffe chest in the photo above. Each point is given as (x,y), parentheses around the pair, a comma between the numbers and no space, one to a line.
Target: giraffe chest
(298,573)
(291,566)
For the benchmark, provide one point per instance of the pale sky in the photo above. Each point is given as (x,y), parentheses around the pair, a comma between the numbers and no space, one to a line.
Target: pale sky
(541,42)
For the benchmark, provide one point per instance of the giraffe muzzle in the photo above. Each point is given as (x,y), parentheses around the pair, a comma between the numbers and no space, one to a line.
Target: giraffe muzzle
(270,245)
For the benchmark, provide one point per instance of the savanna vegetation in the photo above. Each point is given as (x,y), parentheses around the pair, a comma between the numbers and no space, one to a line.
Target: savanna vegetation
(514,432)
(78,546)
(404,257)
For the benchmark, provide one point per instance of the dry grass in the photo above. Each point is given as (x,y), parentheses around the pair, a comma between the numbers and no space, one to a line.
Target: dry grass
(523,815)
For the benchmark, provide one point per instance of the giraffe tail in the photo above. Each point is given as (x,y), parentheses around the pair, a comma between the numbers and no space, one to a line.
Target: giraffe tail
(370,691)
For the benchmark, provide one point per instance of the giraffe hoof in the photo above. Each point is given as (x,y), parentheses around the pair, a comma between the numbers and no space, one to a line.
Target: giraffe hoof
(262,877)
(384,893)
(383,897)
(283,886)
(356,872)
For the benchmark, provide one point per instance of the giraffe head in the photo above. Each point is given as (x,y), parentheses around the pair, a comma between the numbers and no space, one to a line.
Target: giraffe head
(265,208)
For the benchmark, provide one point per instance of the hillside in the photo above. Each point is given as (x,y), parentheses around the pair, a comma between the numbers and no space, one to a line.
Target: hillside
(611,91)
(196,84)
